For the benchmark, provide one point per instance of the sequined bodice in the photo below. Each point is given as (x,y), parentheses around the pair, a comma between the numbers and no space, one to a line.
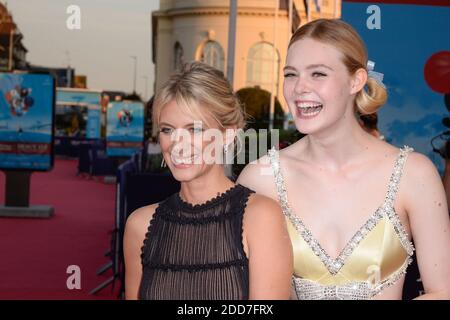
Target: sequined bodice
(376,256)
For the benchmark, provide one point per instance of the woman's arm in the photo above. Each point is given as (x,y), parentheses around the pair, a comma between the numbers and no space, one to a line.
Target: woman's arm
(426,205)
(269,249)
(135,231)
(446,180)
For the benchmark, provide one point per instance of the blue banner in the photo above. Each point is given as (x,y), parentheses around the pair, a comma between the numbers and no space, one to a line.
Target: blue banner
(125,128)
(410,44)
(93,123)
(26,121)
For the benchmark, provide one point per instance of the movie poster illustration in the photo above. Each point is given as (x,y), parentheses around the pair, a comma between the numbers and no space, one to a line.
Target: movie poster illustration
(125,128)
(26,121)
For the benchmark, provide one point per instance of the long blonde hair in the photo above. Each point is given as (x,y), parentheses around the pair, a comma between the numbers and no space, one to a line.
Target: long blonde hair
(345,39)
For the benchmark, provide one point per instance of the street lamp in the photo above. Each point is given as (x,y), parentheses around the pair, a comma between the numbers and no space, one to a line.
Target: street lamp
(231,40)
(135,68)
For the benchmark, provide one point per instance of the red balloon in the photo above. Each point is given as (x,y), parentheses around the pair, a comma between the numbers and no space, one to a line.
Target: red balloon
(437,72)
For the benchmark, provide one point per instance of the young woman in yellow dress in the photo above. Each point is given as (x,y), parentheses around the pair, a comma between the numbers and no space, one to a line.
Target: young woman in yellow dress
(352,201)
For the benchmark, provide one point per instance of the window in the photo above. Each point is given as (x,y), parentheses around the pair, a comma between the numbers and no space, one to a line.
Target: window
(212,54)
(178,55)
(262,68)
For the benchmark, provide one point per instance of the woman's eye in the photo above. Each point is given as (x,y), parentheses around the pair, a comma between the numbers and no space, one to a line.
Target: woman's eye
(318,74)
(288,75)
(165,130)
(195,130)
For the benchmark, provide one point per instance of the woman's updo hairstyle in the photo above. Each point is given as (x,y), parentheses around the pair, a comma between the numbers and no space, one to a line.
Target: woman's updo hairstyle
(345,39)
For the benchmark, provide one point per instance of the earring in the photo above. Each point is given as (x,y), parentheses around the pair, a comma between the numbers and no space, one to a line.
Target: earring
(225,153)
(163,163)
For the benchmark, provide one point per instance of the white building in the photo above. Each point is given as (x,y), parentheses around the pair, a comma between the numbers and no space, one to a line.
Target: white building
(185,30)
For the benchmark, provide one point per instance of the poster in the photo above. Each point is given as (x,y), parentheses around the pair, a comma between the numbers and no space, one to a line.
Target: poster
(83,97)
(26,121)
(125,128)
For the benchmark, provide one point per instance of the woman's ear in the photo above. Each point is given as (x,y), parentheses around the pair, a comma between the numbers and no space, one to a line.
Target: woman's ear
(359,80)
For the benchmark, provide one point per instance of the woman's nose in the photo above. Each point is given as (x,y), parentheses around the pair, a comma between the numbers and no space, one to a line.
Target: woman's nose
(182,149)
(301,86)
(181,141)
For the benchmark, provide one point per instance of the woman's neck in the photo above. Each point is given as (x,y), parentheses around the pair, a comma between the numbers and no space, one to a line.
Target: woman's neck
(340,145)
(206,187)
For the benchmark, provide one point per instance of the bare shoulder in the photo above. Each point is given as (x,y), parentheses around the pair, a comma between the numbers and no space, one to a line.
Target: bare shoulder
(418,170)
(138,221)
(420,167)
(258,176)
(262,210)
(256,169)
(420,177)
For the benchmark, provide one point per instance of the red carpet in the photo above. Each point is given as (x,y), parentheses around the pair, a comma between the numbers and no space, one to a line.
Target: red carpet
(35,253)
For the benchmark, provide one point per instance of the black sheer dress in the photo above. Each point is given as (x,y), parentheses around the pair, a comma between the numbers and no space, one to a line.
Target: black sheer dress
(195,252)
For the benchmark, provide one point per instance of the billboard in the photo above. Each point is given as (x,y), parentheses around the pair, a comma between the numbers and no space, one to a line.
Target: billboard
(125,128)
(26,121)
(90,99)
(409,42)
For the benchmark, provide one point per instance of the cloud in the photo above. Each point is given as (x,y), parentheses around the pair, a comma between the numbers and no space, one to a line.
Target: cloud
(401,131)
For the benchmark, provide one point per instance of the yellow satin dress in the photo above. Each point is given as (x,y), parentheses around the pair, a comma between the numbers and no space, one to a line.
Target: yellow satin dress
(376,257)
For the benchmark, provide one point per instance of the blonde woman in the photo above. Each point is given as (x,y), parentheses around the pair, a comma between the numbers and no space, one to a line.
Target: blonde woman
(352,201)
(214,239)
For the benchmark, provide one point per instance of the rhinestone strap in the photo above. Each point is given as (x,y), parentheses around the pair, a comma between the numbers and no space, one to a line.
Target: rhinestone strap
(394,180)
(400,230)
(394,183)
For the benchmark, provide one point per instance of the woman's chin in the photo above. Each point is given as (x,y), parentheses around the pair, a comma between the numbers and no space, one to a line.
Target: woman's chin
(185,174)
(306,128)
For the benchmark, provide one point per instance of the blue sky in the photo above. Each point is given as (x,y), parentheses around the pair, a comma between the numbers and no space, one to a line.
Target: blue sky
(111,31)
(408,37)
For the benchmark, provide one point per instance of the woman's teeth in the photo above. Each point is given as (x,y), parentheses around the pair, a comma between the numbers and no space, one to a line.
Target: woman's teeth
(309,108)
(177,160)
